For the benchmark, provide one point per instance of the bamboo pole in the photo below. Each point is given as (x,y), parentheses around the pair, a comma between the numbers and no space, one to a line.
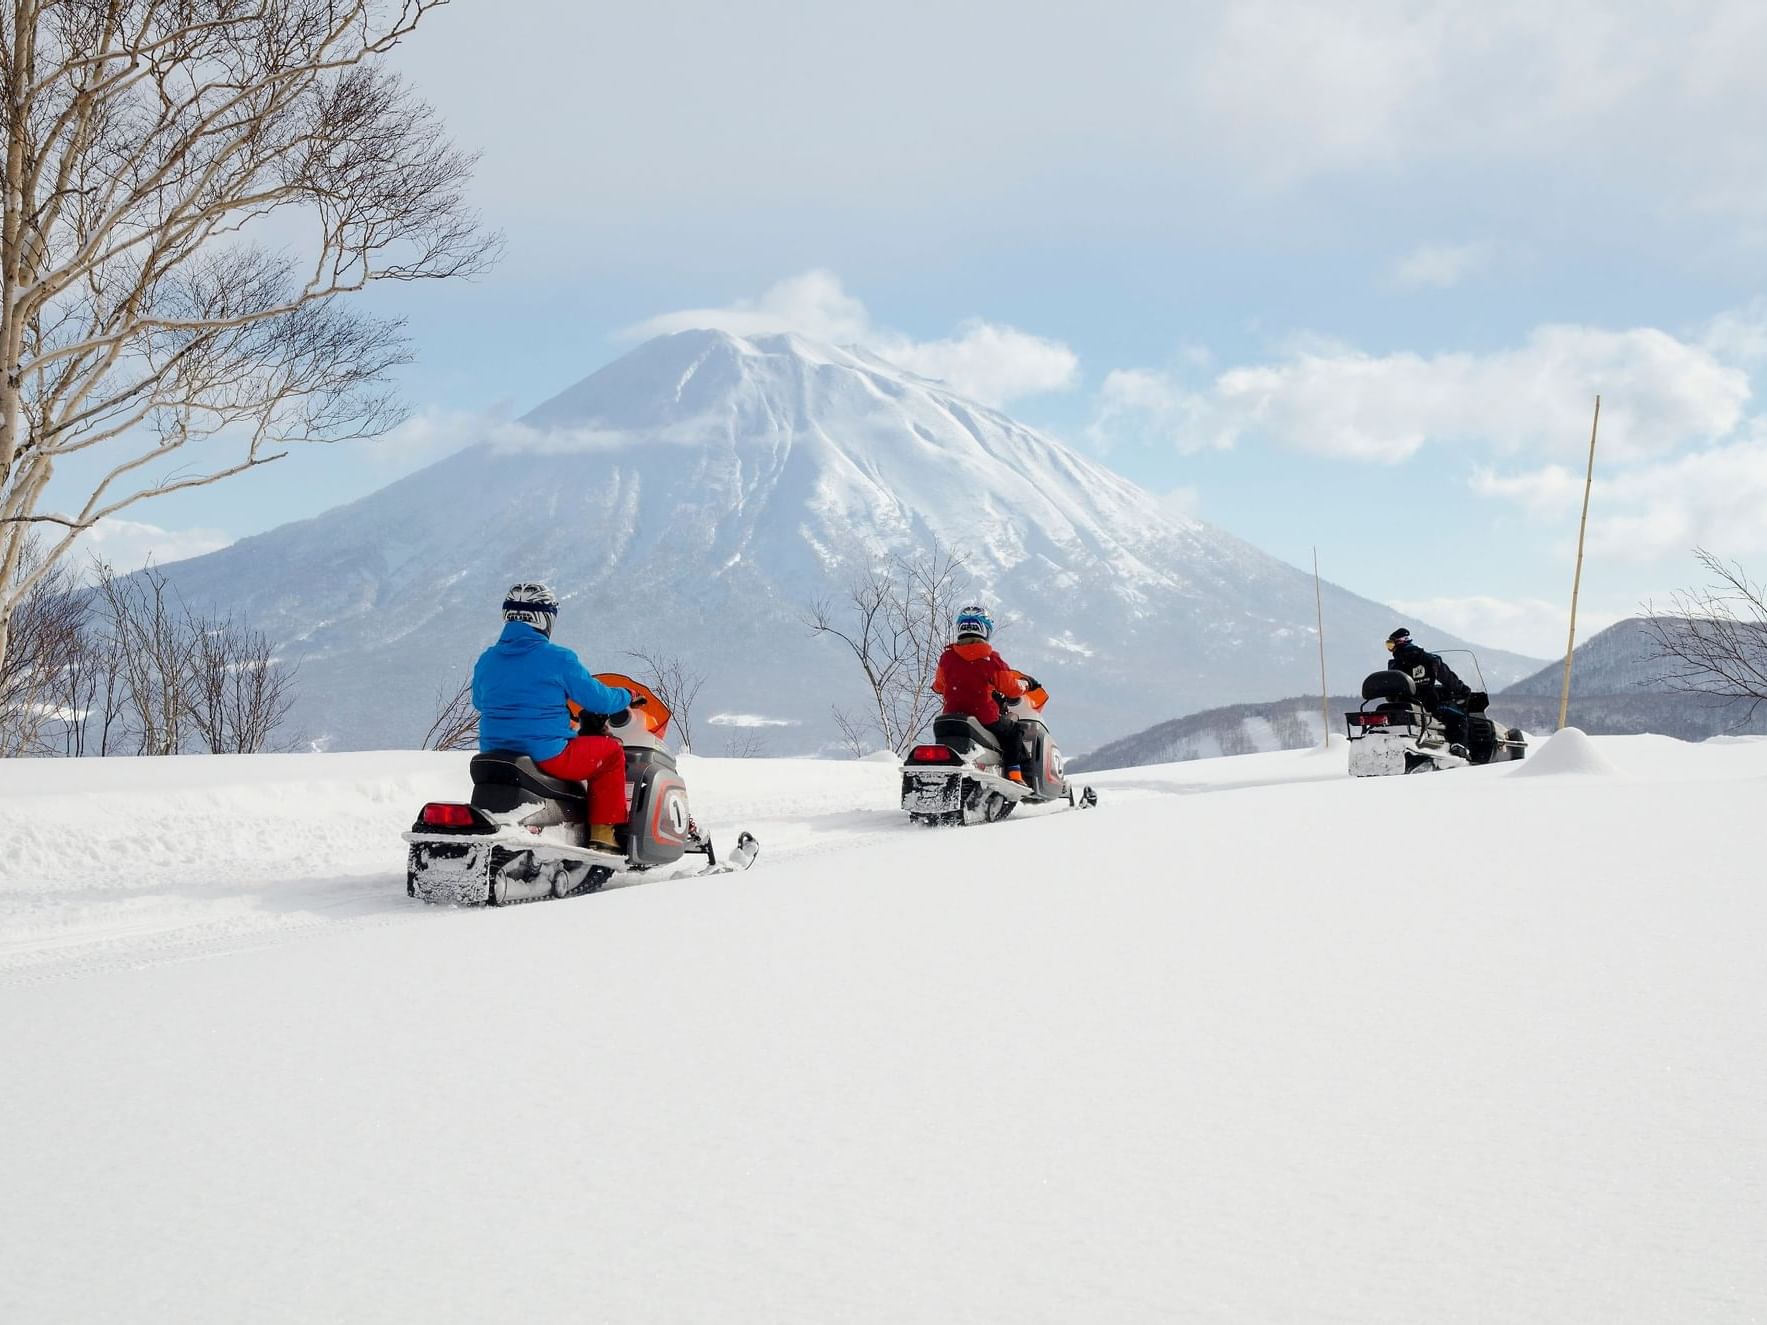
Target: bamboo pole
(1324,691)
(1564,698)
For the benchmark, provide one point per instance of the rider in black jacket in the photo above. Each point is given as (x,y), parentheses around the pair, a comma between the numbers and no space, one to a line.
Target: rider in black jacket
(1442,692)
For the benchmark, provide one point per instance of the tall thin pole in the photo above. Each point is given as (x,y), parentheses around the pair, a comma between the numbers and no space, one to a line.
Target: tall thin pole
(1324,692)
(1564,698)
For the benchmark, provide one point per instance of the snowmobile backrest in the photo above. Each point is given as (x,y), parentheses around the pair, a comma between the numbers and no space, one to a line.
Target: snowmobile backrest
(503,780)
(960,731)
(1390,685)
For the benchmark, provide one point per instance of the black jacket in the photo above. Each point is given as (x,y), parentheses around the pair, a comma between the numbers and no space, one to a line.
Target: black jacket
(1436,682)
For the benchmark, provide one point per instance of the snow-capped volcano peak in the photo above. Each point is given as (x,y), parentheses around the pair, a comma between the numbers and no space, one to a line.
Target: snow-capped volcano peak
(877,455)
(698,493)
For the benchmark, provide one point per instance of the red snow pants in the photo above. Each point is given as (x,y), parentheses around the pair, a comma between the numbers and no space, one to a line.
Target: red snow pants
(601,762)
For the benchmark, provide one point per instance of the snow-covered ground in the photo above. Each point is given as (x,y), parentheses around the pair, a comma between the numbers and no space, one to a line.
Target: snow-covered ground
(1250,1042)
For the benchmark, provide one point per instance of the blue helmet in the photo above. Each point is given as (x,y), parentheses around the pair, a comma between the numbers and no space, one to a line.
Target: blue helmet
(974,620)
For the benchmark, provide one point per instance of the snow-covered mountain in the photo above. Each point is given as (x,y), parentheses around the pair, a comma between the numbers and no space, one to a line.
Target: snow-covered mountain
(695,495)
(1620,686)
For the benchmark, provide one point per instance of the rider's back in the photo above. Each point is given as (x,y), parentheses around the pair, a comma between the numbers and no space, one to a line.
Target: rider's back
(969,675)
(520,685)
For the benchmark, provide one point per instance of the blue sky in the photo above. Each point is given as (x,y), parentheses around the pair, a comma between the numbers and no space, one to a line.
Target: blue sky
(1344,276)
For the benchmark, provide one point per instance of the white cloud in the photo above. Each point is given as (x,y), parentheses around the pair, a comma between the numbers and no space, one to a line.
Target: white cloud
(991,363)
(750,720)
(1141,405)
(435,433)
(128,545)
(1712,497)
(994,364)
(813,304)
(1182,502)
(1522,625)
(429,434)
(515,435)
(1334,400)
(1438,266)
(1619,93)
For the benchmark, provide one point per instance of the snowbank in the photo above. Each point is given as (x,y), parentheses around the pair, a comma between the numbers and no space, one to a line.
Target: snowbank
(1566,752)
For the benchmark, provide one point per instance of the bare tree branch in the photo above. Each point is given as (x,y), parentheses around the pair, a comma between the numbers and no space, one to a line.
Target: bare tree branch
(40,677)
(192,188)
(745,743)
(1713,640)
(456,722)
(674,682)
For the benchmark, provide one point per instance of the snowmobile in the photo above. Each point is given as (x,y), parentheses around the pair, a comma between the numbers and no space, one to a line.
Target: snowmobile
(523,836)
(960,776)
(1401,734)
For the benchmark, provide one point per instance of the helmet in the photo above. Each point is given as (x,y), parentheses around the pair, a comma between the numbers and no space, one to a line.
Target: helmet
(532,603)
(974,620)
(1399,637)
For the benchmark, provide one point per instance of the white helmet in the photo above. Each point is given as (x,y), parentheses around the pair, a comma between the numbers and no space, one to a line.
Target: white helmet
(974,621)
(533,603)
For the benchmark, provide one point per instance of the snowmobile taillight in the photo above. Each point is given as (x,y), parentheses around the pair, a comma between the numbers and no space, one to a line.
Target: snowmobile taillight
(1373,719)
(934,754)
(442,814)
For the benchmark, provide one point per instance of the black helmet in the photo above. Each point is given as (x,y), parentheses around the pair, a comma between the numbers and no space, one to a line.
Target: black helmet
(1399,636)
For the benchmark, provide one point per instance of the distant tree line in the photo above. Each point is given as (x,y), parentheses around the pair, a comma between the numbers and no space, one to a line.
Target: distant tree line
(124,667)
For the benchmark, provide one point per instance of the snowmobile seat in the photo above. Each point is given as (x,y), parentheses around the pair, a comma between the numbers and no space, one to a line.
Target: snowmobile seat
(1390,684)
(960,731)
(1395,692)
(500,776)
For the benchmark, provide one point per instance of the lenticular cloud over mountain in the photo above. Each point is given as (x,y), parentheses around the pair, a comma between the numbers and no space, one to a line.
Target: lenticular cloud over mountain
(697,494)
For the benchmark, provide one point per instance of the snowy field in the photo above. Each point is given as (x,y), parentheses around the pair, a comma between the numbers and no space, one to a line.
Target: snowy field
(1250,1042)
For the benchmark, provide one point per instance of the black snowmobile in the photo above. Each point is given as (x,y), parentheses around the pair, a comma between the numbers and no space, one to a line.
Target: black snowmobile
(959,777)
(1402,727)
(523,836)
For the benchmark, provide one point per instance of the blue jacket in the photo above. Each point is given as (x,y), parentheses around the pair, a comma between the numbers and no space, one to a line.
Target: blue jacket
(519,686)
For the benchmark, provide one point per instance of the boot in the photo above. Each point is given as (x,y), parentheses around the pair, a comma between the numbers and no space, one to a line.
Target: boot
(601,838)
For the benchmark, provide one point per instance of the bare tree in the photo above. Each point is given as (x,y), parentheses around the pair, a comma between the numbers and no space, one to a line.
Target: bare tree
(855,729)
(896,619)
(174,679)
(1713,640)
(236,691)
(456,724)
(153,654)
(48,636)
(79,682)
(191,189)
(674,682)
(745,743)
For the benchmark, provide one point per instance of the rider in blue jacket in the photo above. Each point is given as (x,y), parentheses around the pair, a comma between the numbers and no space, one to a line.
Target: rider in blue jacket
(520,685)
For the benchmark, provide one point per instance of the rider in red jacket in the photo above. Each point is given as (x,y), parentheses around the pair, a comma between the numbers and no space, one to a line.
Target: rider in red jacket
(971,674)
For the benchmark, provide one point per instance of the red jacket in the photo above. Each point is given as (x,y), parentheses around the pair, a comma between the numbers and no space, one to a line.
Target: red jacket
(968,676)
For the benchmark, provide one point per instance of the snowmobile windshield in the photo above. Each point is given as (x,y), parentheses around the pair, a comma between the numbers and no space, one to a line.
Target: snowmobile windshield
(655,713)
